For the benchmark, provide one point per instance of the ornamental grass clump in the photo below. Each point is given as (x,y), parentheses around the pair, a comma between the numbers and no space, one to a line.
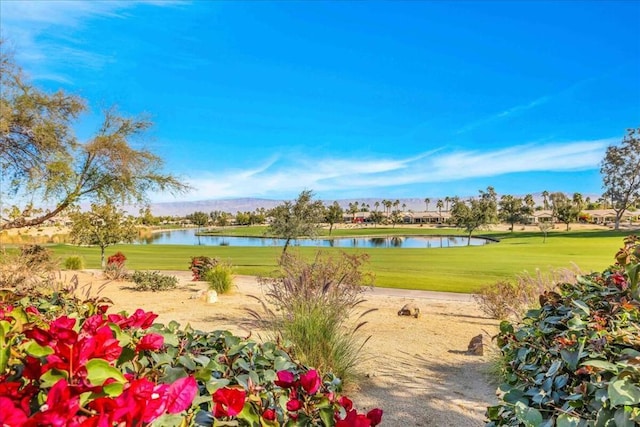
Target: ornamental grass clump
(575,361)
(33,267)
(511,300)
(315,306)
(220,278)
(74,262)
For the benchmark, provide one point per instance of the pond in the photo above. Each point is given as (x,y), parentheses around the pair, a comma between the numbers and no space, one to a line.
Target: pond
(188,237)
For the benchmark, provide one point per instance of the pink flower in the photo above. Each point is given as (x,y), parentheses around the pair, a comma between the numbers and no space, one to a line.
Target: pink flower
(310,382)
(293,405)
(375,416)
(150,342)
(228,402)
(11,415)
(346,403)
(285,379)
(269,415)
(181,394)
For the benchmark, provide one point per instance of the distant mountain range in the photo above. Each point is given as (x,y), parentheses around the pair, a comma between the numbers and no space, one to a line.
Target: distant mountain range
(251,204)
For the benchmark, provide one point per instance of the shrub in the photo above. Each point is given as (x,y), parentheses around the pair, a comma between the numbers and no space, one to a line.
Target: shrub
(74,262)
(115,269)
(314,302)
(31,268)
(153,281)
(200,264)
(71,363)
(506,300)
(574,361)
(220,278)
(36,255)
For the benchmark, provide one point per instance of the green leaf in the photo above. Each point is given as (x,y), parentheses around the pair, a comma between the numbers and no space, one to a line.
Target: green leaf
(20,317)
(582,306)
(5,347)
(623,392)
(531,417)
(553,369)
(170,420)
(566,420)
(623,417)
(173,374)
(52,376)
(99,370)
(249,414)
(113,389)
(570,358)
(326,415)
(36,350)
(576,323)
(601,364)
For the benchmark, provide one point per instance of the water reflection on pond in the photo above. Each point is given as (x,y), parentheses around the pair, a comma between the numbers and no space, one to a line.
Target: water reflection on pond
(188,237)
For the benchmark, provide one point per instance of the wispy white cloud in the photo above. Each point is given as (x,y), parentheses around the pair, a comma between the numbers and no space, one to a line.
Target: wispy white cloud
(39,31)
(505,114)
(284,176)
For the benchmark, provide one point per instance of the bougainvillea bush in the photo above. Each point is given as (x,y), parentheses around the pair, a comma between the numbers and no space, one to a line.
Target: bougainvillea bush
(201,264)
(576,360)
(68,362)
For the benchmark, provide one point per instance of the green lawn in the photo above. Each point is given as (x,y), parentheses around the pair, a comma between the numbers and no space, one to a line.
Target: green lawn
(461,269)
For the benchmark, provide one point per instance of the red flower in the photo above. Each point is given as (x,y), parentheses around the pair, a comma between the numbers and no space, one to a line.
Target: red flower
(139,319)
(293,405)
(61,406)
(150,342)
(11,415)
(310,381)
(353,419)
(375,416)
(181,394)
(285,379)
(228,402)
(346,403)
(269,415)
(619,281)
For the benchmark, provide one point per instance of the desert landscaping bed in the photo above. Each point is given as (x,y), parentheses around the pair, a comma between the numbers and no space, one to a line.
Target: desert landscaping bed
(416,369)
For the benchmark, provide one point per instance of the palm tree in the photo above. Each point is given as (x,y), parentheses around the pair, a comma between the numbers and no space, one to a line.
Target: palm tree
(404,207)
(447,200)
(439,205)
(545,199)
(528,200)
(426,202)
(578,200)
(376,205)
(387,205)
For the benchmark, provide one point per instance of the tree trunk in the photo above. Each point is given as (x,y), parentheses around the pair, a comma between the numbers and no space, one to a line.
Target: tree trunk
(469,239)
(102,261)
(330,228)
(286,245)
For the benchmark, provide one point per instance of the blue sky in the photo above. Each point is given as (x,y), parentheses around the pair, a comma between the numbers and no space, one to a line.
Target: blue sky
(350,99)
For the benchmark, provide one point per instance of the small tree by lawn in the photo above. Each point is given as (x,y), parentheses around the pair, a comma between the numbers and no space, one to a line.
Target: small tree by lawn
(102,226)
(334,214)
(302,217)
(198,218)
(475,213)
(513,210)
(564,209)
(621,174)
